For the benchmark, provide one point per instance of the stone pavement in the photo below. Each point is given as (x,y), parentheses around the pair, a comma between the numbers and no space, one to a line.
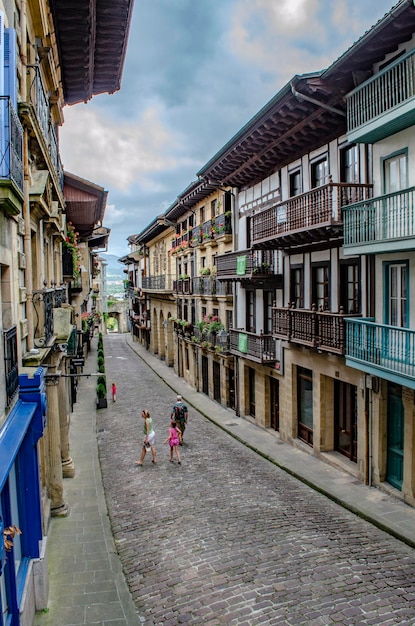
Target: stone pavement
(382,509)
(87,585)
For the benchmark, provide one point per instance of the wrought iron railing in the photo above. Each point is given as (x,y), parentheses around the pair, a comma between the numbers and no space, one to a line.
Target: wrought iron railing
(385,218)
(210,286)
(388,348)
(383,92)
(11,148)
(163,282)
(40,102)
(11,369)
(183,285)
(44,301)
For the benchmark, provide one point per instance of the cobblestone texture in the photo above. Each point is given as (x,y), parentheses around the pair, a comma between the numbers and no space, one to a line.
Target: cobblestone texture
(227,537)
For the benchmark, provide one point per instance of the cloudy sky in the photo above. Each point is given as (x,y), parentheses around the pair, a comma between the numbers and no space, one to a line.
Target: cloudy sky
(195,72)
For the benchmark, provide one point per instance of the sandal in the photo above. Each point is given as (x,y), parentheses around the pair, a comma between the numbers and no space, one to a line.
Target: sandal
(138,463)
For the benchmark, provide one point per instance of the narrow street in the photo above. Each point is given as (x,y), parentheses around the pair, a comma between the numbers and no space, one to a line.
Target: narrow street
(227,537)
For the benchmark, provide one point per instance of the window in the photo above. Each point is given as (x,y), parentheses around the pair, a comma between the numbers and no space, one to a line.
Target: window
(202,214)
(213,206)
(395,173)
(295,183)
(229,319)
(268,302)
(320,287)
(297,288)
(349,165)
(319,173)
(250,311)
(397,294)
(349,287)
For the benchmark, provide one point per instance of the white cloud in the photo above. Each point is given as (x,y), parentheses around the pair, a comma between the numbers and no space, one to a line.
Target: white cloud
(101,148)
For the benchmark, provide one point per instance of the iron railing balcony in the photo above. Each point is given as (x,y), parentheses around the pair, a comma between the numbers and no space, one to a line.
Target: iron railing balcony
(39,100)
(212,229)
(382,224)
(384,104)
(11,369)
(382,350)
(44,301)
(183,285)
(255,347)
(210,286)
(254,266)
(11,151)
(161,282)
(322,330)
(307,220)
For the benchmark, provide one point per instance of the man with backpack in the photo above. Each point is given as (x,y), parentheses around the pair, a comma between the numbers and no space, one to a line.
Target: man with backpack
(180,415)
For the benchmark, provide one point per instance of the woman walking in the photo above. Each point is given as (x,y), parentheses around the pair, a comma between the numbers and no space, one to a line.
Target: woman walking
(149,438)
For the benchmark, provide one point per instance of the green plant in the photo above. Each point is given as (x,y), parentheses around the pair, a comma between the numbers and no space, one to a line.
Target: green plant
(101,369)
(101,380)
(101,360)
(183,276)
(205,271)
(101,391)
(215,327)
(100,353)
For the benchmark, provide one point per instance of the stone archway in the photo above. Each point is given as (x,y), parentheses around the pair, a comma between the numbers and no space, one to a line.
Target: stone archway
(118,312)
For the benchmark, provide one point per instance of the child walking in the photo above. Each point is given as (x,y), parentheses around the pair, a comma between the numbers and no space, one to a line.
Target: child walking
(174,439)
(114,392)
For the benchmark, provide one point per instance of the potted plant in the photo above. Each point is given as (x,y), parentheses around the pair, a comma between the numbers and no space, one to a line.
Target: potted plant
(101,396)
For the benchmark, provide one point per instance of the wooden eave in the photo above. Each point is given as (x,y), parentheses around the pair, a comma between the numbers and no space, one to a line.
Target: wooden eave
(85,204)
(288,127)
(92,40)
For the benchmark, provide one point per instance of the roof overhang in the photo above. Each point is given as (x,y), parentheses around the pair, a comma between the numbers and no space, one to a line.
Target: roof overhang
(85,204)
(289,126)
(92,40)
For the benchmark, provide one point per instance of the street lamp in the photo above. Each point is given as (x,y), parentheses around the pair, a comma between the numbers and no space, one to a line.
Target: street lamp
(222,337)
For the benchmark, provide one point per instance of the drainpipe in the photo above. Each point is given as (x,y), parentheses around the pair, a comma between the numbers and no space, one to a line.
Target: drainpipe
(302,96)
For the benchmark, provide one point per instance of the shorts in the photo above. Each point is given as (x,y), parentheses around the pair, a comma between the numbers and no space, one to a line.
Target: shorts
(151,438)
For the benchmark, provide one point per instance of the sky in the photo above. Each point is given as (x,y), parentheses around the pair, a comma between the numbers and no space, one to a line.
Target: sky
(195,72)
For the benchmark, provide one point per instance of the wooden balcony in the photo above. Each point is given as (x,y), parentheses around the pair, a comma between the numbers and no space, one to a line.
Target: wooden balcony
(249,267)
(310,220)
(384,104)
(161,283)
(322,330)
(255,347)
(382,350)
(382,224)
(11,159)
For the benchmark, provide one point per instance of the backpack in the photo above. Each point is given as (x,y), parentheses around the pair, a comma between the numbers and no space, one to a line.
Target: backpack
(179,412)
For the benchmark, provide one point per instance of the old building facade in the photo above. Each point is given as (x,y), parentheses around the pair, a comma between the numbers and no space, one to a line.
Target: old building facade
(319,270)
(45,271)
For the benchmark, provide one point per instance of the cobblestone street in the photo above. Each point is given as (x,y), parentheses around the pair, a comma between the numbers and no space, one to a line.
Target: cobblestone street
(227,537)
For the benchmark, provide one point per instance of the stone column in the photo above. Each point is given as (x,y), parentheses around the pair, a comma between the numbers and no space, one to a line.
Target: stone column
(68,468)
(55,486)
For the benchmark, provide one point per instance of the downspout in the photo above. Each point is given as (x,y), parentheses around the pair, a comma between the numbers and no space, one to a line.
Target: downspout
(301,96)
(26,182)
